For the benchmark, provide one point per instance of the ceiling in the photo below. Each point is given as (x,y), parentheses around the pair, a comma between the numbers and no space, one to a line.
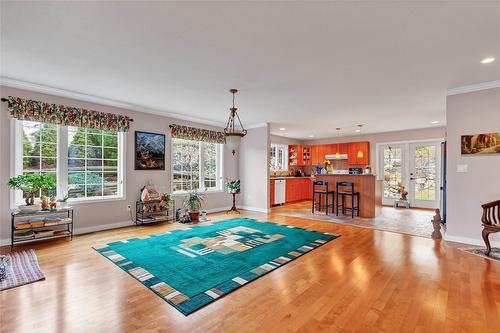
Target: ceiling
(307,66)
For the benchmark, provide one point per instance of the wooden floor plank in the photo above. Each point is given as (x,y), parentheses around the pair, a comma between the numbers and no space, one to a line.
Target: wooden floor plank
(364,281)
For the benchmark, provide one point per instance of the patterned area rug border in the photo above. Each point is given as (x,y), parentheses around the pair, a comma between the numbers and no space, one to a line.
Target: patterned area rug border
(187,305)
(480,252)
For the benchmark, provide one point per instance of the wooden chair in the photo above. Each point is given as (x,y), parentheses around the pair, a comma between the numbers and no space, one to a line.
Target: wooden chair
(491,221)
(344,189)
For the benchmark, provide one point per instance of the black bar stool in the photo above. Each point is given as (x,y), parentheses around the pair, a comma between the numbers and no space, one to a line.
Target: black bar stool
(347,189)
(322,190)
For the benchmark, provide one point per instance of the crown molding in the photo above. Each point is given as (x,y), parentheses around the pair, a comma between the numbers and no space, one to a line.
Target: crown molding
(257,125)
(473,87)
(19,84)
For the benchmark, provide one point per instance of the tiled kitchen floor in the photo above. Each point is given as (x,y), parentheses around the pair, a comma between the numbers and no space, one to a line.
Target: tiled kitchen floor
(401,220)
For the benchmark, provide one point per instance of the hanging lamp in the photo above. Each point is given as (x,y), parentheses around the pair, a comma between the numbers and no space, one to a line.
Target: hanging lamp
(360,152)
(337,154)
(234,130)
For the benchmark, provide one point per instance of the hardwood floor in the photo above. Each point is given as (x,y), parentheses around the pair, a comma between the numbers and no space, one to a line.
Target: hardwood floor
(364,281)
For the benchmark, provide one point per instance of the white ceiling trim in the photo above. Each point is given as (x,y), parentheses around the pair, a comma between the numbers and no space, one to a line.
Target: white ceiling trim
(13,83)
(473,87)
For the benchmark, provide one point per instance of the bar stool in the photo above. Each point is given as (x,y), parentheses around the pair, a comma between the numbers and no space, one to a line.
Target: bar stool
(347,189)
(323,190)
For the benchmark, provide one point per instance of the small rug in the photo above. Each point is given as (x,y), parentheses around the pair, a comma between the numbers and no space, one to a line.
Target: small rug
(193,267)
(23,269)
(479,251)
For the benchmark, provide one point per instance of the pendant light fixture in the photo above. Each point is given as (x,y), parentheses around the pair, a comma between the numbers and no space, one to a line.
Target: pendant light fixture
(360,152)
(337,154)
(234,130)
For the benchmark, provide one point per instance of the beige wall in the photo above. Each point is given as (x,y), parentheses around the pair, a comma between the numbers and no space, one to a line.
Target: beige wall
(396,136)
(284,140)
(254,169)
(94,216)
(471,113)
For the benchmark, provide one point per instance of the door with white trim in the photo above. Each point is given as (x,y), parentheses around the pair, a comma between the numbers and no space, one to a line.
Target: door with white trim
(393,165)
(424,177)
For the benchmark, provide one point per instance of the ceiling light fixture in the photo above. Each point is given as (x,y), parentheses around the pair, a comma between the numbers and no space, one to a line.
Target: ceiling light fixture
(434,122)
(311,135)
(487,60)
(234,132)
(360,152)
(282,128)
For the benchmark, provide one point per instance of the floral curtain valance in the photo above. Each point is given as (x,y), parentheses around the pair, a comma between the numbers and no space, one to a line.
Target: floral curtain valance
(197,134)
(27,109)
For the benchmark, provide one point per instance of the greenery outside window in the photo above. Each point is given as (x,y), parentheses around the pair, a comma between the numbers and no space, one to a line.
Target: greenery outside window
(86,163)
(196,165)
(279,157)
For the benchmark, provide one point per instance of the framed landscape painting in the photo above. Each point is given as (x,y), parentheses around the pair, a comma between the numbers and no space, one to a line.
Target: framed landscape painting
(478,144)
(149,151)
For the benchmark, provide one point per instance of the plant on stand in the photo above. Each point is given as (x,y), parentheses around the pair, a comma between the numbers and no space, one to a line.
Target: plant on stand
(193,203)
(233,186)
(31,184)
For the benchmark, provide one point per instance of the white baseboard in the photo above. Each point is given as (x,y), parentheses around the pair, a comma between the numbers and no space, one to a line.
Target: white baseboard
(115,225)
(255,209)
(470,241)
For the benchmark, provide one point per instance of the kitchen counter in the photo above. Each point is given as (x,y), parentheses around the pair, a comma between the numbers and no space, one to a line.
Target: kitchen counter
(369,188)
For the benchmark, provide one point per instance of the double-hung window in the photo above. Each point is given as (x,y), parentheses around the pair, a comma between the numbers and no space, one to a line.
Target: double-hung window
(279,157)
(87,164)
(196,165)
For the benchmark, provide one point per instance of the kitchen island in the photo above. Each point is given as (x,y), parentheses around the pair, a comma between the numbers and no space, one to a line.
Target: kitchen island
(369,188)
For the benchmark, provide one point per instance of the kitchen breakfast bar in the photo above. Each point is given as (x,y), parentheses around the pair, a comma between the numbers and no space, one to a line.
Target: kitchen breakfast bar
(296,189)
(370,199)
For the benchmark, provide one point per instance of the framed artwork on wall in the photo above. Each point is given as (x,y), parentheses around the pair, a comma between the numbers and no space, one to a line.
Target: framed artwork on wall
(149,151)
(479,144)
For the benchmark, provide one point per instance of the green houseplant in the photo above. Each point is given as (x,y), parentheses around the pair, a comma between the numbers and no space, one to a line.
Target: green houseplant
(193,203)
(233,186)
(30,184)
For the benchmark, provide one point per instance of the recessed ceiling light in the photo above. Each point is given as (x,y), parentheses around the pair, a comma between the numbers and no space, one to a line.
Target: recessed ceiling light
(434,122)
(311,136)
(487,60)
(358,130)
(282,128)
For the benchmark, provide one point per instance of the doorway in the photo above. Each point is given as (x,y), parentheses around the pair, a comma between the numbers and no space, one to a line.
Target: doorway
(416,166)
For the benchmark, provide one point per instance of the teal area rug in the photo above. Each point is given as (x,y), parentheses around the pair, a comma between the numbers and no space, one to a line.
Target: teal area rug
(191,268)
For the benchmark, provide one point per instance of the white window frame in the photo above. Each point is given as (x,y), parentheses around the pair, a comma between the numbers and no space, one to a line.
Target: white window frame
(285,156)
(62,166)
(201,155)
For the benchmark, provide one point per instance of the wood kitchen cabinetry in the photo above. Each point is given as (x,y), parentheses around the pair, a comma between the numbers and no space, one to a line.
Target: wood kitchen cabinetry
(358,153)
(298,189)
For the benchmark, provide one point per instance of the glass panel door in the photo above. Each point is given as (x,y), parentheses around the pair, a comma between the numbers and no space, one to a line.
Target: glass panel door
(424,174)
(394,173)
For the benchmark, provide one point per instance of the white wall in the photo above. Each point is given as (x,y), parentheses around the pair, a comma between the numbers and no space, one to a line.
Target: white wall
(471,113)
(284,140)
(93,216)
(254,169)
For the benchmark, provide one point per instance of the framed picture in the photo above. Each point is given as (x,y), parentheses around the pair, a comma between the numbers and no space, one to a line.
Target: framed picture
(478,144)
(149,151)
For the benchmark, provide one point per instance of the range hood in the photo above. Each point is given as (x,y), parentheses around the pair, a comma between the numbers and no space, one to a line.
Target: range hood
(334,157)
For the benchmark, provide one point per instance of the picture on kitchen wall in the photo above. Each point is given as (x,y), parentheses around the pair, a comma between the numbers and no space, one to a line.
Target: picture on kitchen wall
(149,151)
(488,143)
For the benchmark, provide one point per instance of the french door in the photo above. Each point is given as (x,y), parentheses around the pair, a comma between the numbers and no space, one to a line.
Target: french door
(416,166)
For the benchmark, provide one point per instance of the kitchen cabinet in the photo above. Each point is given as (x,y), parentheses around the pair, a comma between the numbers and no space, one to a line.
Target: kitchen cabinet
(298,189)
(354,148)
(306,155)
(295,155)
(271,192)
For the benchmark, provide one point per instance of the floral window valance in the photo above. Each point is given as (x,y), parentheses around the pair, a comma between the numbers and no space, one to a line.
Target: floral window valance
(27,109)
(197,134)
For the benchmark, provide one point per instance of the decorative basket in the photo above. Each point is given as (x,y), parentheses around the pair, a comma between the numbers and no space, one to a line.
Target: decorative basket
(4,267)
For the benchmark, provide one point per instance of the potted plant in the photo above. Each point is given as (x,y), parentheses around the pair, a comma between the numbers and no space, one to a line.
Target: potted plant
(166,200)
(193,202)
(233,186)
(30,184)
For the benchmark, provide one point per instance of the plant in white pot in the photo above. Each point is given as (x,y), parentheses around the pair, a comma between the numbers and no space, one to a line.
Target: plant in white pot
(193,202)
(233,186)
(30,184)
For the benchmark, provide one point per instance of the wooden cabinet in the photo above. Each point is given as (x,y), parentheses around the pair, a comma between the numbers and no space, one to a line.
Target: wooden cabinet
(314,155)
(271,192)
(298,189)
(343,148)
(359,153)
(295,155)
(306,155)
